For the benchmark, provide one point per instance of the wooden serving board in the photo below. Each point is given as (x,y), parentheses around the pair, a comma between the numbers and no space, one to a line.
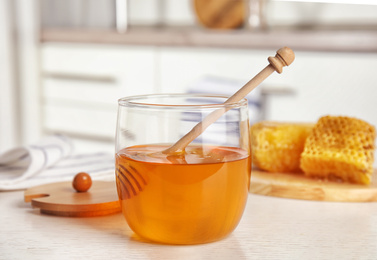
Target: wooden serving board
(220,14)
(298,186)
(62,200)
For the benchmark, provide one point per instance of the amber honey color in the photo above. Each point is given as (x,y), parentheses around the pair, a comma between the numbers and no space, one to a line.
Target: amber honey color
(190,198)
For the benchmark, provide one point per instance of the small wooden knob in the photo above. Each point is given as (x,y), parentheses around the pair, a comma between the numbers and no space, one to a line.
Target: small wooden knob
(284,57)
(82,182)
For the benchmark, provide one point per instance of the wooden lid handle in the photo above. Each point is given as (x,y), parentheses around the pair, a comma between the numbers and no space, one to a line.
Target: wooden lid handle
(284,57)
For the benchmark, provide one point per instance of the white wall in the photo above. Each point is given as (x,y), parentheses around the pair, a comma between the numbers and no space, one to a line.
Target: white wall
(100,13)
(282,13)
(277,13)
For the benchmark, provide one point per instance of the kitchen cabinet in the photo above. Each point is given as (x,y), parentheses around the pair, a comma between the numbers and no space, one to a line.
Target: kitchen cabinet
(322,82)
(82,82)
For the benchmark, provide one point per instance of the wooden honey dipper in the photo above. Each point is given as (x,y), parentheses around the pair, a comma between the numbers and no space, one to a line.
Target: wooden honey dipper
(284,57)
(134,181)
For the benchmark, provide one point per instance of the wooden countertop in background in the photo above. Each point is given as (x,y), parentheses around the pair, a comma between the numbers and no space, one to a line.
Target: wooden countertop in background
(299,40)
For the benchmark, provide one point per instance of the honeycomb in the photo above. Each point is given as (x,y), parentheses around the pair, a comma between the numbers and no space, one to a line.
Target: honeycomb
(276,147)
(340,148)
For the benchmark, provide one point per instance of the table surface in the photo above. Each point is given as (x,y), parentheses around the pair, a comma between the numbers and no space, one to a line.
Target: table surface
(271,228)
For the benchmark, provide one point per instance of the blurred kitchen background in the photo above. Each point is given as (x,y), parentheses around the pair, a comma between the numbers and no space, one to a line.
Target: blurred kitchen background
(64,64)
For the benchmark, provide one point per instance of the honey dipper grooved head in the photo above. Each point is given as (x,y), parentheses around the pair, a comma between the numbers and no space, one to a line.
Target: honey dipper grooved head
(284,57)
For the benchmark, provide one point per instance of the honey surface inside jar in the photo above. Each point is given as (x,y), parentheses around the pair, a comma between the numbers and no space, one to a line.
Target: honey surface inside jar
(189,198)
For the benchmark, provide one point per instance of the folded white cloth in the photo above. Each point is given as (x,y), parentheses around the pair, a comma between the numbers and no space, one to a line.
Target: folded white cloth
(50,160)
(219,85)
(219,133)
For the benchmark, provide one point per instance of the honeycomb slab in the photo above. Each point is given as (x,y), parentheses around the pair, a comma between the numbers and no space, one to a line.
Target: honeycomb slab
(340,148)
(277,146)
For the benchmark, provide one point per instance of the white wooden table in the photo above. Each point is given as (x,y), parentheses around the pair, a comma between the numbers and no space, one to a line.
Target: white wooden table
(271,228)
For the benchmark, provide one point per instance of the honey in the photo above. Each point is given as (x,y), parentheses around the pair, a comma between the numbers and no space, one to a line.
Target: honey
(187,198)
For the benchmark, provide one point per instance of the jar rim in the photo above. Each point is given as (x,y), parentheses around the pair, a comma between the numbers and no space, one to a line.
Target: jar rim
(141,101)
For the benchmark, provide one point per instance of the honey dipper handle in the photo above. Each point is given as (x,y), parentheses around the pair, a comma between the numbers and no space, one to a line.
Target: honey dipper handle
(284,57)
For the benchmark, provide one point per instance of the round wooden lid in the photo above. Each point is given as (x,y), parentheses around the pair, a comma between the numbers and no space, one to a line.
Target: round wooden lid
(62,200)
